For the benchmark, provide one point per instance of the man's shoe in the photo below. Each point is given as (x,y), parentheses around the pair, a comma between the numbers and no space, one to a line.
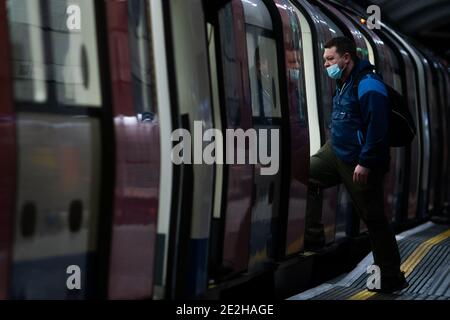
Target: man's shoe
(390,284)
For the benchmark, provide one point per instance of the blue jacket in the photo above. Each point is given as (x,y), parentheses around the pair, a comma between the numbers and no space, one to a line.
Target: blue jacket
(359,125)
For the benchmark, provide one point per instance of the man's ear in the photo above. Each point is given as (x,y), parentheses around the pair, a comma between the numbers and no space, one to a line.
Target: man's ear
(347,57)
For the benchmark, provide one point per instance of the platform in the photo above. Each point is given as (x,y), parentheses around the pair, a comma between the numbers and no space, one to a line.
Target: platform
(425,253)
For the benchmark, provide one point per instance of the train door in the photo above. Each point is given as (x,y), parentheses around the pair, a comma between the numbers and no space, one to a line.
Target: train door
(443,98)
(231,221)
(267,119)
(435,133)
(309,32)
(439,82)
(64,138)
(399,162)
(424,77)
(412,172)
(347,223)
(299,130)
(422,126)
(394,180)
(446,90)
(137,127)
(190,82)
(166,116)
(8,158)
(354,224)
(316,31)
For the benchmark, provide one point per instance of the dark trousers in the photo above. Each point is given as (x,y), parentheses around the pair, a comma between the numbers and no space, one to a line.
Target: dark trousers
(327,170)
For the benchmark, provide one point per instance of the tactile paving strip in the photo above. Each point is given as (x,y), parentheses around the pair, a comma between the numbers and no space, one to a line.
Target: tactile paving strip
(425,253)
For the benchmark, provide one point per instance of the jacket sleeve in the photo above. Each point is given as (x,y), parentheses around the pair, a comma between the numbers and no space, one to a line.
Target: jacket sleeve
(374,104)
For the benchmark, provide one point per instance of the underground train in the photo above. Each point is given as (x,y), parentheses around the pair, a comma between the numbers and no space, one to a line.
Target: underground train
(92,205)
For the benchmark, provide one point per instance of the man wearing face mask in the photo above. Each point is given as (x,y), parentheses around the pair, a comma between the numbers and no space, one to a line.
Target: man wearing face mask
(357,156)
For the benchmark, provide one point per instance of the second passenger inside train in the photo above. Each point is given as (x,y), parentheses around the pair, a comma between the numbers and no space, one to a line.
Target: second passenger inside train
(357,156)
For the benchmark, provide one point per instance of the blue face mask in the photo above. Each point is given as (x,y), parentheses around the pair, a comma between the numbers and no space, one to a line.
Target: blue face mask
(295,75)
(334,72)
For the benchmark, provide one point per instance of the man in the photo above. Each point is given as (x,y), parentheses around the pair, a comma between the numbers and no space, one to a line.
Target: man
(357,156)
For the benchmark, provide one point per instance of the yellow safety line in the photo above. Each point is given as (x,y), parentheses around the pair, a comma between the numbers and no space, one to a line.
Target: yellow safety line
(410,263)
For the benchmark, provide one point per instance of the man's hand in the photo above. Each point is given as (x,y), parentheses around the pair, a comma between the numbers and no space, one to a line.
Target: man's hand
(361,175)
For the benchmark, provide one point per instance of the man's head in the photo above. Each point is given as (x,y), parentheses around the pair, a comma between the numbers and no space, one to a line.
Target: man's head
(340,57)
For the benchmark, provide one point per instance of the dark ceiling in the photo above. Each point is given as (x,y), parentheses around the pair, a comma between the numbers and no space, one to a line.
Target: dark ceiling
(428,21)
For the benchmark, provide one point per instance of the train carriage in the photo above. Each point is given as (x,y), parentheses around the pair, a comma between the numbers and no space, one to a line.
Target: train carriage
(89,112)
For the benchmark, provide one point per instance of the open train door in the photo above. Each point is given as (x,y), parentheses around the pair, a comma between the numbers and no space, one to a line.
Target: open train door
(388,67)
(406,79)
(231,219)
(137,136)
(192,113)
(354,225)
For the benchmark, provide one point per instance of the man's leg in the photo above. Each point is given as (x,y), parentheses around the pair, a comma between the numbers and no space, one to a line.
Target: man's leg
(369,202)
(323,174)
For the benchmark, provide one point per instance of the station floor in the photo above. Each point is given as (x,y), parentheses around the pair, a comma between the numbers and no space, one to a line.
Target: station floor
(425,252)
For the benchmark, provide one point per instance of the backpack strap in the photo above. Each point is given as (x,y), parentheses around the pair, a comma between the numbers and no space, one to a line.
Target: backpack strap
(364,72)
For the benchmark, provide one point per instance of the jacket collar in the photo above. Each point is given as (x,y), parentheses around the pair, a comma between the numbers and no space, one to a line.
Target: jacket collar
(360,65)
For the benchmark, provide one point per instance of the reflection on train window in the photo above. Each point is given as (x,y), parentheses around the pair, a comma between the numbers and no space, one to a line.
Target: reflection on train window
(26,36)
(263,72)
(52,61)
(337,32)
(370,52)
(256,14)
(230,63)
(397,78)
(141,53)
(334,29)
(297,90)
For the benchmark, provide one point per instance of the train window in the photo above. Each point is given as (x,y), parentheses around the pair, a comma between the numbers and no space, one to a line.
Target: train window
(231,62)
(311,93)
(263,69)
(370,50)
(349,29)
(365,52)
(26,36)
(54,51)
(141,53)
(394,54)
(334,29)
(262,60)
(296,66)
(256,14)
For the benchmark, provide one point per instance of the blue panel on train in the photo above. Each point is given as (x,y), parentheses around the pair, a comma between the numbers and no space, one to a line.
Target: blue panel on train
(47,278)
(262,243)
(197,267)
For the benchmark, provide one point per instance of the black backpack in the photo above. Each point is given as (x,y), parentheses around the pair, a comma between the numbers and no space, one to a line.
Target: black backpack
(402,128)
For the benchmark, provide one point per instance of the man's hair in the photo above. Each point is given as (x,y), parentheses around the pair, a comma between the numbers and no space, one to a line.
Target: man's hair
(343,45)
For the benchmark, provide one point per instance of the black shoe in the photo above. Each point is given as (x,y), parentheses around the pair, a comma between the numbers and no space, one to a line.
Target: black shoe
(390,284)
